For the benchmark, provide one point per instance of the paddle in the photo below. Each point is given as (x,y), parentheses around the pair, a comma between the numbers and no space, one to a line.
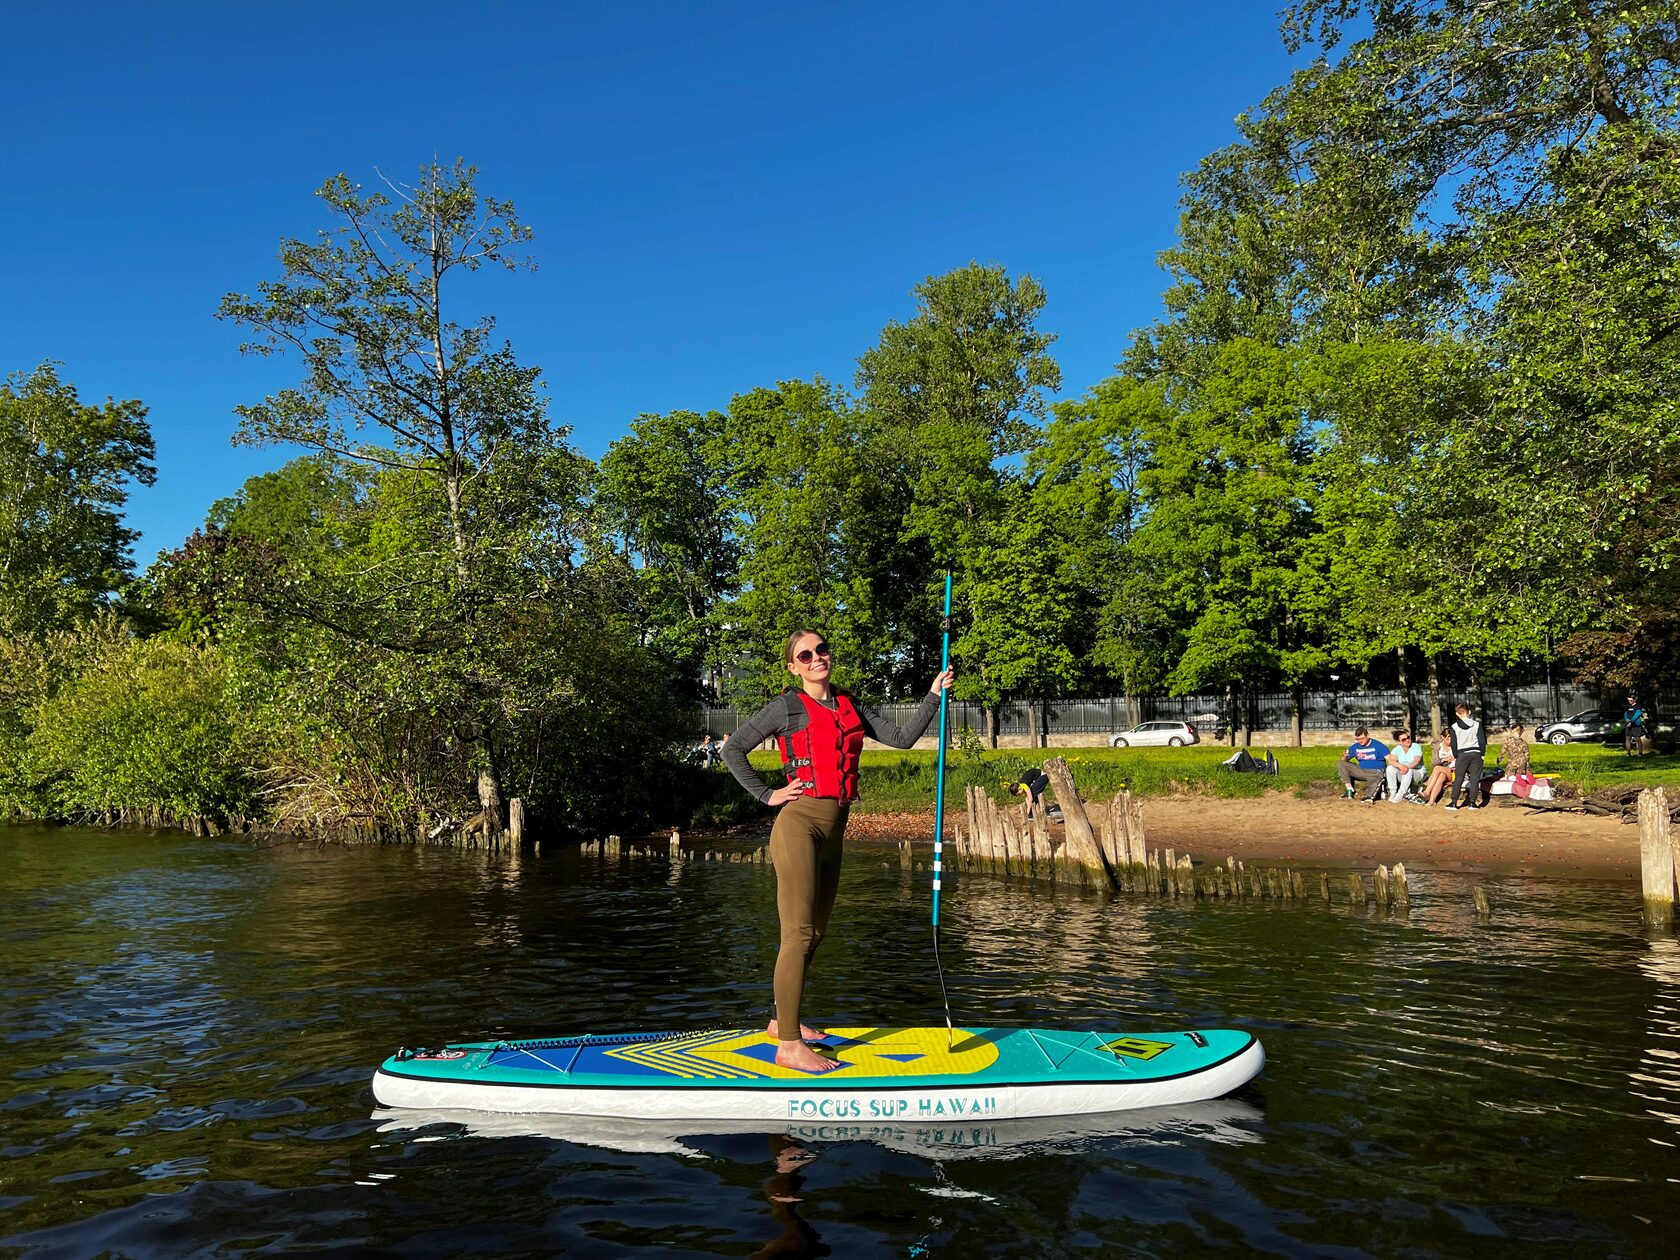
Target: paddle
(939,803)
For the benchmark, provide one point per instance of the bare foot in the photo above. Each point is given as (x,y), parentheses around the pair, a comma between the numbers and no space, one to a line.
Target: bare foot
(806,1032)
(800,1057)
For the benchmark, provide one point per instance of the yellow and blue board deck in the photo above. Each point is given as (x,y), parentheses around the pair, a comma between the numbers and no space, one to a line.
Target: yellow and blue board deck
(901,1074)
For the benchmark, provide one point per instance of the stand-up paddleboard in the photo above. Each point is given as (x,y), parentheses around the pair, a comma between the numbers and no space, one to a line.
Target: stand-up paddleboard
(900,1075)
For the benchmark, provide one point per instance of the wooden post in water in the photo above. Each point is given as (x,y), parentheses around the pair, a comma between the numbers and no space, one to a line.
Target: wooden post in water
(1079,841)
(1402,893)
(1011,841)
(1483,907)
(1000,841)
(1656,857)
(1380,887)
(1356,888)
(1324,887)
(1137,845)
(516,822)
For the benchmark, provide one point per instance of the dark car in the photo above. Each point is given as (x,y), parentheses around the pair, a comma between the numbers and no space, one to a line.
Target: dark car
(1594,724)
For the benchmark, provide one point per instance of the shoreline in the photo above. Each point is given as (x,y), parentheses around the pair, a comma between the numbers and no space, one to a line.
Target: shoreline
(1280,827)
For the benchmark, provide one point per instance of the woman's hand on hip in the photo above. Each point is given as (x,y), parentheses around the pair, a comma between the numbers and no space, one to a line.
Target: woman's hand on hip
(782,795)
(942,681)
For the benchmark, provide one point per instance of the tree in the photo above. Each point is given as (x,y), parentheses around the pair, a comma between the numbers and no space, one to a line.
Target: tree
(949,398)
(65,473)
(792,467)
(1087,476)
(457,541)
(1229,517)
(664,488)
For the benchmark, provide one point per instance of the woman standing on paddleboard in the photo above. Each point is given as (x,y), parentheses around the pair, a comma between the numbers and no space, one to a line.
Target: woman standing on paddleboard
(819,730)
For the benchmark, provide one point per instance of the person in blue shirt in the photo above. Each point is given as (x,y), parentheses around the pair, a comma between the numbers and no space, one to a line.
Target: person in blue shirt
(1364,762)
(1633,728)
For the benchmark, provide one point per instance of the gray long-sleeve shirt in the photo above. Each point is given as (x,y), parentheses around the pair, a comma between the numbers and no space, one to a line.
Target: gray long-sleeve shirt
(778,718)
(1467,736)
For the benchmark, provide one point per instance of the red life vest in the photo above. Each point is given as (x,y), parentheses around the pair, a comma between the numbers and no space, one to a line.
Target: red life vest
(824,756)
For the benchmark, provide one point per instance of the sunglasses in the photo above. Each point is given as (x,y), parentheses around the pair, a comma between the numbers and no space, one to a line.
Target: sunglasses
(808,655)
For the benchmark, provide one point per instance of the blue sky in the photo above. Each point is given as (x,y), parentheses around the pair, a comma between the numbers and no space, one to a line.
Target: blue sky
(724,195)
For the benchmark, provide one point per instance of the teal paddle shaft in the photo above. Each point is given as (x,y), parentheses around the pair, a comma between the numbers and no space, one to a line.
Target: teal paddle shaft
(939,783)
(939,805)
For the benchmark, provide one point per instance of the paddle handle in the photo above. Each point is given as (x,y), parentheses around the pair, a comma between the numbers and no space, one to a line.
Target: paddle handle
(939,782)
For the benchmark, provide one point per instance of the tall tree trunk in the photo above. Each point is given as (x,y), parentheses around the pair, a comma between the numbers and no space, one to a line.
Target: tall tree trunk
(1231,714)
(1044,726)
(1298,718)
(1032,723)
(1434,696)
(992,724)
(1409,715)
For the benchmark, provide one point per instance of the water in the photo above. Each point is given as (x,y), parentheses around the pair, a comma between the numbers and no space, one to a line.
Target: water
(190,1027)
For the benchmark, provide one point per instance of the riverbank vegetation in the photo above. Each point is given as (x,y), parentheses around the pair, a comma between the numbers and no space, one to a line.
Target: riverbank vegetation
(1411,410)
(894,782)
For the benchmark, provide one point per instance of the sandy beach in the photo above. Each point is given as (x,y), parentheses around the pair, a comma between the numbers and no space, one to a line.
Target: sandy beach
(1284,828)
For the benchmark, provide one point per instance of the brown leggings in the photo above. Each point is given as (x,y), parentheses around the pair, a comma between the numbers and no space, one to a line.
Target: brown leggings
(805,850)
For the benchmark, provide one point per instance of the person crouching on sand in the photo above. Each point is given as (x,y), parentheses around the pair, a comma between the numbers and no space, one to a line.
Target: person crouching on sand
(819,730)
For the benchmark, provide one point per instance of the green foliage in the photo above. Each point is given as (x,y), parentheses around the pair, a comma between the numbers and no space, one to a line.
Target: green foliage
(115,725)
(424,615)
(65,472)
(664,490)
(948,398)
(797,500)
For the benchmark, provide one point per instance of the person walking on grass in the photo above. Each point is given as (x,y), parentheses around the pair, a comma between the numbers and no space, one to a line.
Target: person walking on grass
(1633,728)
(819,730)
(1363,762)
(1469,745)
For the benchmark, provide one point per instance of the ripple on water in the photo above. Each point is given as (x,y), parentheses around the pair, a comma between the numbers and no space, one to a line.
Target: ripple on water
(191,1026)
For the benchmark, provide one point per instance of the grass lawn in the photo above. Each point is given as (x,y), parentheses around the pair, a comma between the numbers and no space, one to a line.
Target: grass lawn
(894,781)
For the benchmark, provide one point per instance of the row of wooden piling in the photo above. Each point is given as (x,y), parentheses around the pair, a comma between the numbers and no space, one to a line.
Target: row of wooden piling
(1164,873)
(613,848)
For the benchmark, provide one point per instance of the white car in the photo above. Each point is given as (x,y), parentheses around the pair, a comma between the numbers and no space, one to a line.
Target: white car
(1155,734)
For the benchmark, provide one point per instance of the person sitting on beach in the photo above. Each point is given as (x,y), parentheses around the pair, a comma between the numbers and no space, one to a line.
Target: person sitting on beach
(1513,751)
(1363,762)
(1403,768)
(707,752)
(1441,775)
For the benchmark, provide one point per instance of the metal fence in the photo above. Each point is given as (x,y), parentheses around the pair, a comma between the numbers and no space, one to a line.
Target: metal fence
(1274,711)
